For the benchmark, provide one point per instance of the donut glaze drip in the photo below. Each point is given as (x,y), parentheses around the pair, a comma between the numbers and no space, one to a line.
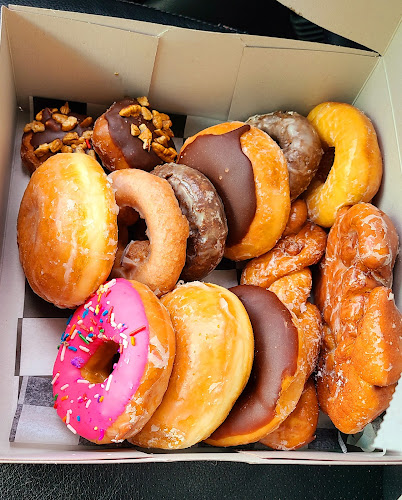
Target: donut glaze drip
(88,409)
(275,356)
(53,129)
(132,147)
(221,159)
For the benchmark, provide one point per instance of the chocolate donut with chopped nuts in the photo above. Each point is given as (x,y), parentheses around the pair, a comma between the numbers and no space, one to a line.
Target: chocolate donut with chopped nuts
(55,131)
(203,208)
(130,134)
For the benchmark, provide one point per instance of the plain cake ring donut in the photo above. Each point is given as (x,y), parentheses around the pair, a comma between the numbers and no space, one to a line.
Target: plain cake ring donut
(157,264)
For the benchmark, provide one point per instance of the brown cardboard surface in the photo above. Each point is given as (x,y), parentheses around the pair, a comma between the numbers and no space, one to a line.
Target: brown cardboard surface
(197,73)
(368,22)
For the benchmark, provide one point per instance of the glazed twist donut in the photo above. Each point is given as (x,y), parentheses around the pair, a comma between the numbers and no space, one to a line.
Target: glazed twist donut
(357,169)
(297,217)
(362,355)
(291,253)
(300,426)
(159,261)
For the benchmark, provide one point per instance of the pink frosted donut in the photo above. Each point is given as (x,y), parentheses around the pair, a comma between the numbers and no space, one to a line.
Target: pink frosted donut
(114,362)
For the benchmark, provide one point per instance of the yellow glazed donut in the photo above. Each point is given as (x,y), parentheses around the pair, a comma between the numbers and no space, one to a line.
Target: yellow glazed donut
(67,229)
(357,169)
(214,357)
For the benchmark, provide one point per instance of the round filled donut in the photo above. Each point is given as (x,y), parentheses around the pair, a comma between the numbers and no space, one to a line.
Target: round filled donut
(159,261)
(114,362)
(356,172)
(249,172)
(203,208)
(67,229)
(55,131)
(130,134)
(299,142)
(278,375)
(214,356)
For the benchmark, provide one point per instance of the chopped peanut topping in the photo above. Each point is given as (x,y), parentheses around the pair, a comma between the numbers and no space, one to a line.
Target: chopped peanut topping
(145,136)
(132,110)
(143,101)
(35,126)
(135,130)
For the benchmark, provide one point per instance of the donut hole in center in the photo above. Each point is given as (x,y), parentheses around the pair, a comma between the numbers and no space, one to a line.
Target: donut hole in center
(134,233)
(326,163)
(100,365)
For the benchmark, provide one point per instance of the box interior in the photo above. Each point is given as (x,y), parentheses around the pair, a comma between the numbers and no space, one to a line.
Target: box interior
(220,76)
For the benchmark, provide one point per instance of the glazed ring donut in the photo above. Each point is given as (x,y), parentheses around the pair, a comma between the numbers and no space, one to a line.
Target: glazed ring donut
(210,322)
(299,142)
(132,135)
(55,131)
(67,229)
(203,208)
(99,398)
(249,172)
(291,253)
(159,262)
(362,356)
(300,426)
(357,169)
(278,375)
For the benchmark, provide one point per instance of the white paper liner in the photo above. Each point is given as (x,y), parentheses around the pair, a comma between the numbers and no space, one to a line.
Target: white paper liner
(38,335)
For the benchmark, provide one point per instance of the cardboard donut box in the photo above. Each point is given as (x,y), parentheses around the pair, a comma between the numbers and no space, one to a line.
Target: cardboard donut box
(219,76)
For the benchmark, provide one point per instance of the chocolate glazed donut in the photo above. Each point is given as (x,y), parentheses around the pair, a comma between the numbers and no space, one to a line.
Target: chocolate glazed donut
(55,131)
(201,205)
(261,406)
(299,142)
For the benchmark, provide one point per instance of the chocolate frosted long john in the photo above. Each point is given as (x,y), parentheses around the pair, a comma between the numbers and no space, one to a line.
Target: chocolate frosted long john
(275,357)
(222,160)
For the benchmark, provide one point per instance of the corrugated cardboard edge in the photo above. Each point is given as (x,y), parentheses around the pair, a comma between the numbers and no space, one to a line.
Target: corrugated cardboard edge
(368,22)
(7,106)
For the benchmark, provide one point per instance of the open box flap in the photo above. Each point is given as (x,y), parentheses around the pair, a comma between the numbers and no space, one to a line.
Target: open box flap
(220,60)
(368,22)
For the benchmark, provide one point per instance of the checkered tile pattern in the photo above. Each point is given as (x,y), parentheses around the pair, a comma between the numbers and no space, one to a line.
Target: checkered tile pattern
(38,334)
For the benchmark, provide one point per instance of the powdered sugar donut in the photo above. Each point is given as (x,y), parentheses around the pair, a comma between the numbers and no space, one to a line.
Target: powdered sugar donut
(114,362)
